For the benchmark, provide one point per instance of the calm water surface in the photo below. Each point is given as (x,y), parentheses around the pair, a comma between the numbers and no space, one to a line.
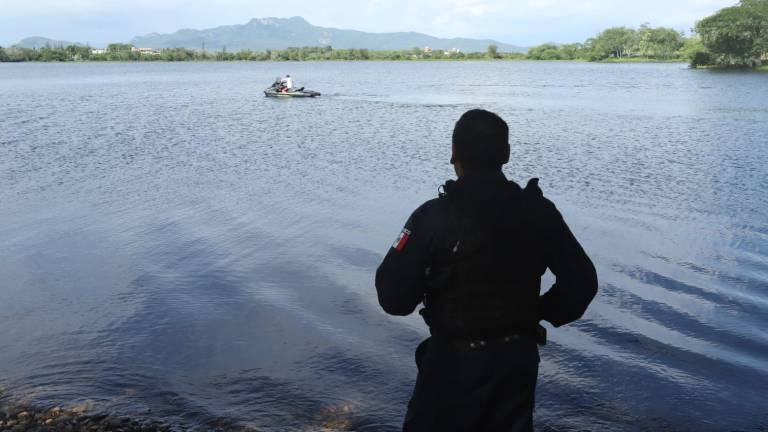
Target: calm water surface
(175,245)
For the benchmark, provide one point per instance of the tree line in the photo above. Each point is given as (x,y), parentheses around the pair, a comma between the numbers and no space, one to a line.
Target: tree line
(126,52)
(732,37)
(619,43)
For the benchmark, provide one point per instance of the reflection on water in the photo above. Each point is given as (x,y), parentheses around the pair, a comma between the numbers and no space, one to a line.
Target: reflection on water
(175,245)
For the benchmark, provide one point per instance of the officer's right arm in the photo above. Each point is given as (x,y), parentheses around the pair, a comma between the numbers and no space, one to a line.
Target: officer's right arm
(400,279)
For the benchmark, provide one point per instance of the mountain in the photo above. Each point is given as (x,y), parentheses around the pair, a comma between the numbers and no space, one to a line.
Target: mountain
(280,33)
(40,42)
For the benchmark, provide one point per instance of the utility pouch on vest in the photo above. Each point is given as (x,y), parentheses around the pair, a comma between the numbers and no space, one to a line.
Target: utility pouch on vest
(439,277)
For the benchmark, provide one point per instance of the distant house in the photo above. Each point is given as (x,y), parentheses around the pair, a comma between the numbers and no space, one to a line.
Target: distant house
(98,51)
(451,51)
(145,51)
(427,50)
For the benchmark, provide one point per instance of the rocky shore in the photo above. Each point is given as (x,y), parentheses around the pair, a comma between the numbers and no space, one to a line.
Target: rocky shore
(28,419)
(20,419)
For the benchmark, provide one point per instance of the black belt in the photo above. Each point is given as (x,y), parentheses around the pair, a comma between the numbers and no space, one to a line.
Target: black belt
(539,335)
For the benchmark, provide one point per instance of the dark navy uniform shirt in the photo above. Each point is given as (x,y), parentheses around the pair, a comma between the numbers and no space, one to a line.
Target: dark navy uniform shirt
(429,234)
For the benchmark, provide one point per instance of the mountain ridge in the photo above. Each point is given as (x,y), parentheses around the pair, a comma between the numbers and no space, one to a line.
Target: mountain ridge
(279,33)
(37,42)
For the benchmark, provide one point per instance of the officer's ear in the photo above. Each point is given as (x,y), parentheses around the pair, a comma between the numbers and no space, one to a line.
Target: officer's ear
(505,155)
(453,154)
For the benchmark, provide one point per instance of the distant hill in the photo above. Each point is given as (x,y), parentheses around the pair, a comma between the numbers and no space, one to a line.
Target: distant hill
(40,42)
(281,33)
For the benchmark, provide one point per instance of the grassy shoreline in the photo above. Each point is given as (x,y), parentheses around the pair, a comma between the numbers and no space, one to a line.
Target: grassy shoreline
(643,60)
(763,68)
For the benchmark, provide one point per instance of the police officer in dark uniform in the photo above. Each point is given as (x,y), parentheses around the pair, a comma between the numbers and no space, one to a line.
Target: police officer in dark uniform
(474,257)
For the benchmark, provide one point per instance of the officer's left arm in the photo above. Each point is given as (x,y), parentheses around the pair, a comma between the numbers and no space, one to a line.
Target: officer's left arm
(576,283)
(400,279)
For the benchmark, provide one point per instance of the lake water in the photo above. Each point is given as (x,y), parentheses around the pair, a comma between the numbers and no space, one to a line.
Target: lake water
(175,245)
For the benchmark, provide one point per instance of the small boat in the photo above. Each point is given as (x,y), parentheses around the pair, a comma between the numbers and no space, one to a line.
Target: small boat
(272,92)
(277,89)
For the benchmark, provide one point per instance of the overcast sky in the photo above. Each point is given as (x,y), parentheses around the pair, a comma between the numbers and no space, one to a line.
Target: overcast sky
(521,22)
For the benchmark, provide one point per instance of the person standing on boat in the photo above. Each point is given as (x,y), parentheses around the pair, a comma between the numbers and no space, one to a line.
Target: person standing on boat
(287,83)
(475,257)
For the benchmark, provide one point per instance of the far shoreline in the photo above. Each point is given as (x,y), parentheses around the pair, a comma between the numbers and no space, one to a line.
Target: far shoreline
(472,60)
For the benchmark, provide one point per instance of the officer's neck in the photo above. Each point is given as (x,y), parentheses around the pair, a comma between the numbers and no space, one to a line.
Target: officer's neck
(461,172)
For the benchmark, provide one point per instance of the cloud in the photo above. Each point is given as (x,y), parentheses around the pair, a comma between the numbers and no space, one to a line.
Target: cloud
(460,15)
(470,7)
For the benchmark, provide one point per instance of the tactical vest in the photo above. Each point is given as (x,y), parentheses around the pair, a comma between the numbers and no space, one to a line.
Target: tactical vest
(488,283)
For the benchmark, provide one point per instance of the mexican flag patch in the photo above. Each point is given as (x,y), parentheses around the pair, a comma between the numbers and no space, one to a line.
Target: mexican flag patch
(402,239)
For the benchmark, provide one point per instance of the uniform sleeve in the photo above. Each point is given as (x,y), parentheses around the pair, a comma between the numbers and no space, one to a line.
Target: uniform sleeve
(576,279)
(400,279)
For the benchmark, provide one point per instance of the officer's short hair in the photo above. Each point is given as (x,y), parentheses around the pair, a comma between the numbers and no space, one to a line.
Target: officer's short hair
(481,140)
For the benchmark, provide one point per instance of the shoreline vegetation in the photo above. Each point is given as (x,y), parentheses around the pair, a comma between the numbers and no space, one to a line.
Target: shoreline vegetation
(733,37)
(647,45)
(129,53)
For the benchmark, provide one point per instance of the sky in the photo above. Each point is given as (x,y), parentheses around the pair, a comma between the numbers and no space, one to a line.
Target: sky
(518,22)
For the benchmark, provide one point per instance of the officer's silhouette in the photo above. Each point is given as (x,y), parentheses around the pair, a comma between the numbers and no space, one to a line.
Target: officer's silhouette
(475,257)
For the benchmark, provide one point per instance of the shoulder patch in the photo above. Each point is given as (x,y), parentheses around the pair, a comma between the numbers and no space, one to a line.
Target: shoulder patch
(401,240)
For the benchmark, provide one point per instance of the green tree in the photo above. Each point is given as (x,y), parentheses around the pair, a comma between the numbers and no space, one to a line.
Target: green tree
(546,51)
(177,54)
(245,54)
(588,50)
(694,51)
(3,58)
(493,51)
(572,51)
(734,36)
(119,47)
(760,9)
(645,46)
(615,42)
(659,42)
(53,54)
